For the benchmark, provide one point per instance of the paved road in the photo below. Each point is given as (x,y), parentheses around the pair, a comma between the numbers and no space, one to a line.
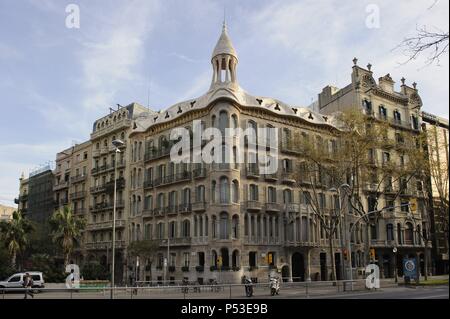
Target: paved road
(436,292)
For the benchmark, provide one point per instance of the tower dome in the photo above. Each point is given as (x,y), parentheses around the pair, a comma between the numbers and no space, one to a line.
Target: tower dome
(224,61)
(224,45)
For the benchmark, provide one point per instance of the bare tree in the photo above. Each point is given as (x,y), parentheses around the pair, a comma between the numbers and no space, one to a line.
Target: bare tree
(432,42)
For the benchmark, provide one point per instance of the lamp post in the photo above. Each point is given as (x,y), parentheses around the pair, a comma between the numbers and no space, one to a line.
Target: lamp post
(117,144)
(394,250)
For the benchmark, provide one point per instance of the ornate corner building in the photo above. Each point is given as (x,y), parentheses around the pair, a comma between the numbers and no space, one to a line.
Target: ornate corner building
(221,221)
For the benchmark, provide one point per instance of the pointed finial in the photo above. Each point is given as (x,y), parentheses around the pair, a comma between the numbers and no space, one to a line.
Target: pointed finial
(369,67)
(414,85)
(224,25)
(355,61)
(403,80)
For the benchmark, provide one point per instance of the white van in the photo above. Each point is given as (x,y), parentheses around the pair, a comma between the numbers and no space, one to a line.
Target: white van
(16,280)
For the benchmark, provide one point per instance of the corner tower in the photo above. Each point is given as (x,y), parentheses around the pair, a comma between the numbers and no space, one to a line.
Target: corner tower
(224,61)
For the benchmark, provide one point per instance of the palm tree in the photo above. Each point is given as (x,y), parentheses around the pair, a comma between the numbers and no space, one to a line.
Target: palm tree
(14,235)
(66,230)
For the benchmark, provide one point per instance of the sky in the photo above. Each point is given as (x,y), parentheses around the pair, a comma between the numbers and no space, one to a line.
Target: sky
(56,81)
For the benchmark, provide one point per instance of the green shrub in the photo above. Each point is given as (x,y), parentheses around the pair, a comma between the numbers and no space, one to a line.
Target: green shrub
(94,271)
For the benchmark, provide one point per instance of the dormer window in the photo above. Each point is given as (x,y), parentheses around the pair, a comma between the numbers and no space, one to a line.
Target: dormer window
(367,105)
(382,112)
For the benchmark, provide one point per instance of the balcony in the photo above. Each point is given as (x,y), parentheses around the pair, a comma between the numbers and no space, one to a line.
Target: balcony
(148,184)
(199,173)
(98,189)
(199,207)
(106,206)
(389,189)
(110,185)
(271,177)
(292,208)
(299,243)
(120,244)
(273,207)
(77,195)
(78,178)
(156,153)
(176,242)
(80,211)
(371,187)
(158,212)
(171,179)
(222,166)
(185,208)
(288,177)
(253,205)
(172,210)
(408,192)
(252,171)
(99,169)
(147,213)
(105,225)
(60,186)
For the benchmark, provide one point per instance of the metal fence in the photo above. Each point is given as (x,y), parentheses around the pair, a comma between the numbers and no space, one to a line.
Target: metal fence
(192,291)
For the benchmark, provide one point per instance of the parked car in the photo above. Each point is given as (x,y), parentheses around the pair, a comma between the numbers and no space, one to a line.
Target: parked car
(16,280)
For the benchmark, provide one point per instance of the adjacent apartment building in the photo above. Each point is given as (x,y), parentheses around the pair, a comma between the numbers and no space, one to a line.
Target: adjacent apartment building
(436,129)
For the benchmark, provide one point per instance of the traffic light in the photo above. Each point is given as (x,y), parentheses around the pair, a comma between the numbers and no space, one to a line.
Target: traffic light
(269,258)
(413,204)
(372,253)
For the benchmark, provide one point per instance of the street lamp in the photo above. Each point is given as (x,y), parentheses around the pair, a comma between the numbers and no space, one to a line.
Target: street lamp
(117,144)
(394,250)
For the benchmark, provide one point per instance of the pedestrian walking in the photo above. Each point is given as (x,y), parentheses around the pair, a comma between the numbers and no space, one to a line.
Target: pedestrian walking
(28,284)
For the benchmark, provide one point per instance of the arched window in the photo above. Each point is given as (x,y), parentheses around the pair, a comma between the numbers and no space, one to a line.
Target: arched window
(389,232)
(253,194)
(172,229)
(235,259)
(148,204)
(160,203)
(214,258)
(224,190)
(160,231)
(399,234)
(214,227)
(252,128)
(186,229)
(200,194)
(246,229)
(186,200)
(173,200)
(224,230)
(235,191)
(409,233)
(235,227)
(213,191)
(287,196)
(271,194)
(223,122)
(234,121)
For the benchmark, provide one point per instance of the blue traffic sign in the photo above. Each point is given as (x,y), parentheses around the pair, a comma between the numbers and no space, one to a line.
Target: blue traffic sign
(410,268)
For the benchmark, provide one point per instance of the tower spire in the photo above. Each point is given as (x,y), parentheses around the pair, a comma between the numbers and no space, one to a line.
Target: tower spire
(224,59)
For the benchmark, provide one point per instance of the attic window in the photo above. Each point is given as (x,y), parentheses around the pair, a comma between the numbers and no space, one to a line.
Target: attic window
(134,126)
(259,101)
(311,116)
(179,110)
(167,115)
(193,103)
(155,118)
(295,110)
(277,107)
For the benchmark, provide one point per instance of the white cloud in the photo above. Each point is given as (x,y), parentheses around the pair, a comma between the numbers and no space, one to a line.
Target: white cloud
(111,59)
